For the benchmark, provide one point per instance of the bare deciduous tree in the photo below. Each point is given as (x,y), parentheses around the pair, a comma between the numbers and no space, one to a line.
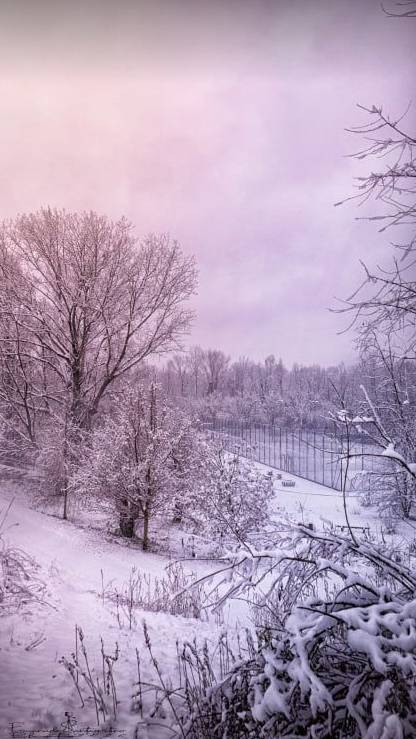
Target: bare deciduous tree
(384,312)
(179,367)
(386,300)
(215,366)
(195,360)
(88,303)
(83,304)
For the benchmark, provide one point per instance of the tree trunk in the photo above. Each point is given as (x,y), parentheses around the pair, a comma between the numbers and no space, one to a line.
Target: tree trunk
(146,530)
(65,511)
(127,524)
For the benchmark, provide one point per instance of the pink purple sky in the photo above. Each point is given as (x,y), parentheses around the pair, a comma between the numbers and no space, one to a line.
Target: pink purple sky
(221,123)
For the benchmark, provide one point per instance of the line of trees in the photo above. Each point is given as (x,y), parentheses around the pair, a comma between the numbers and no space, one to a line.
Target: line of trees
(302,397)
(263,392)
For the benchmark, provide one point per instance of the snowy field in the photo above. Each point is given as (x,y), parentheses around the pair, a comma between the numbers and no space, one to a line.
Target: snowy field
(75,562)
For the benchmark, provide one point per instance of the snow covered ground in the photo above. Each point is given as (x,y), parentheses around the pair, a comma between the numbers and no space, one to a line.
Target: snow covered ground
(35,689)
(309,502)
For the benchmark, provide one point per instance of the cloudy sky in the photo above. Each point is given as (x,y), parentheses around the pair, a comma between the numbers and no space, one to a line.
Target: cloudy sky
(221,123)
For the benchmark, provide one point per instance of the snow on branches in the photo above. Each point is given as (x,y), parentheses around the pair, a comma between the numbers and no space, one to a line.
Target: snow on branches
(142,456)
(233,496)
(338,657)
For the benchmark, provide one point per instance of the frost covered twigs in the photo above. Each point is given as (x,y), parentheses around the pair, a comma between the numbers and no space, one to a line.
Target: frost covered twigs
(383,308)
(231,501)
(141,461)
(198,705)
(101,688)
(175,593)
(337,656)
(389,425)
(19,579)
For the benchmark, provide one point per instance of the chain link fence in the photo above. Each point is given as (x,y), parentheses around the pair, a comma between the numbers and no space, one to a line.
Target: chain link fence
(313,455)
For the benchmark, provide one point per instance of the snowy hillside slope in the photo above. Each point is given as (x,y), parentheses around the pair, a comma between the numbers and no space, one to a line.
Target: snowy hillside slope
(35,689)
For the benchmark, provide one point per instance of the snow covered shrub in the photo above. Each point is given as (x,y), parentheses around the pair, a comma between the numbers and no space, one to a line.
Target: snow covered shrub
(395,493)
(172,593)
(140,460)
(19,581)
(194,707)
(232,501)
(391,490)
(388,422)
(338,658)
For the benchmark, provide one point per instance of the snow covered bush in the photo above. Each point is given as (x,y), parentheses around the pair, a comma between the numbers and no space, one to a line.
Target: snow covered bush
(390,425)
(194,708)
(19,580)
(232,499)
(386,436)
(392,490)
(141,458)
(171,593)
(338,656)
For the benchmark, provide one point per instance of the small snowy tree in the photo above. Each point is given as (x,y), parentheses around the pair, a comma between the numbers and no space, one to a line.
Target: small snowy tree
(140,459)
(232,500)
